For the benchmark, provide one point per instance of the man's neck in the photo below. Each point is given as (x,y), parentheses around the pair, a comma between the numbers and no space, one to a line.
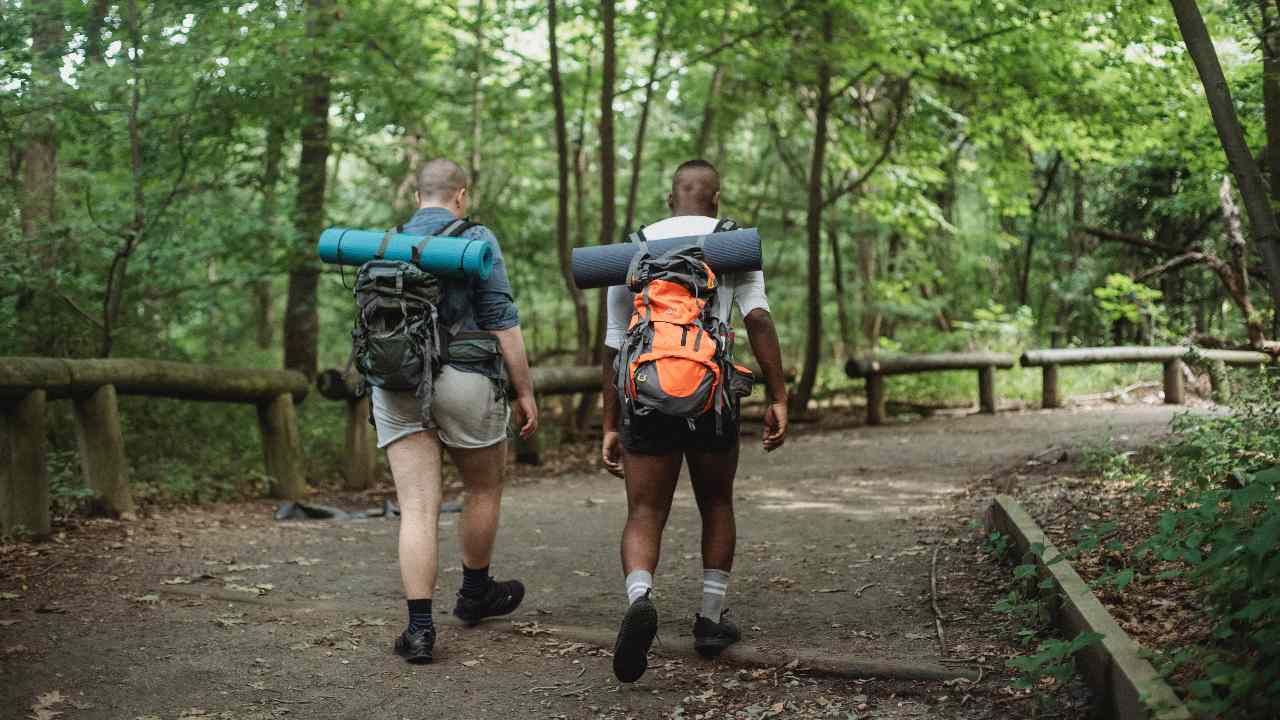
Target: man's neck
(703,212)
(433,206)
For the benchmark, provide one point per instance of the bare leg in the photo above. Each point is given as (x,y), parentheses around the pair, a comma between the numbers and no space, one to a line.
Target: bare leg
(712,474)
(651,483)
(415,465)
(483,471)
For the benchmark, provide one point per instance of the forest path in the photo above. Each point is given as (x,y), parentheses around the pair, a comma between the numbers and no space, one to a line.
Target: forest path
(158,619)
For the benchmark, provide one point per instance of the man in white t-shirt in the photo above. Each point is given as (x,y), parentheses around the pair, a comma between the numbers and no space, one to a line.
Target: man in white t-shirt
(648,450)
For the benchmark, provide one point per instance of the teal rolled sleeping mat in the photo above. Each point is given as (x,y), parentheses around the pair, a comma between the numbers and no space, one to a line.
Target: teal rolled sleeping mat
(451,256)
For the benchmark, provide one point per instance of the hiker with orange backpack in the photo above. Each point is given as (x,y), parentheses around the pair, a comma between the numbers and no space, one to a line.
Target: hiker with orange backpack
(671,394)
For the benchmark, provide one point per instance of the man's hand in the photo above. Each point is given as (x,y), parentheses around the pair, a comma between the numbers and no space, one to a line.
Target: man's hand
(526,416)
(611,453)
(775,426)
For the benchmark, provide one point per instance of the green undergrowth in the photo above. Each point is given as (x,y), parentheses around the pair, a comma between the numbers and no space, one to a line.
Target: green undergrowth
(1216,486)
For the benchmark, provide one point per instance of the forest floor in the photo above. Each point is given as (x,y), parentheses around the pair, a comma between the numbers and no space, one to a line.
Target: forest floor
(219,611)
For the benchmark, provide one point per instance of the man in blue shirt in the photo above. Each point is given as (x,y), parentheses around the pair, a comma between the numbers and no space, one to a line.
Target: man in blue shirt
(469,417)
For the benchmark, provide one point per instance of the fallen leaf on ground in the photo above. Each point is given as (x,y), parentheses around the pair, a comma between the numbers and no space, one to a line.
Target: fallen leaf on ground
(9,596)
(7,623)
(183,580)
(470,663)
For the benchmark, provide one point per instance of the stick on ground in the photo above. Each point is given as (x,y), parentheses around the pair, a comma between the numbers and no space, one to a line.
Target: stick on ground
(933,596)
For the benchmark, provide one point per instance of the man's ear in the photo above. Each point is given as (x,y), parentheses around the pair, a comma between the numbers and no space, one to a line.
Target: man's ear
(417,198)
(671,202)
(715,200)
(461,198)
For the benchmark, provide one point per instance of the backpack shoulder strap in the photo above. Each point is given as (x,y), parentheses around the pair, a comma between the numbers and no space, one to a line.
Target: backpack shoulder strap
(456,228)
(725,225)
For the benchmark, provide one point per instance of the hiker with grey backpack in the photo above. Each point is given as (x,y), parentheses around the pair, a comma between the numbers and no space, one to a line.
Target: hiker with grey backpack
(440,355)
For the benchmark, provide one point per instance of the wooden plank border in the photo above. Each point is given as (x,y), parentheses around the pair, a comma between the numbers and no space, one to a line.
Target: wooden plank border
(1128,687)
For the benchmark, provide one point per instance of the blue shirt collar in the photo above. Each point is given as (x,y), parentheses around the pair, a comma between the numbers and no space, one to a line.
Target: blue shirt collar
(431,216)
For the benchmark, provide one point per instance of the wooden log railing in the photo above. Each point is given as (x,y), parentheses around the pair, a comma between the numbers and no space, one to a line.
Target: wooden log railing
(93,386)
(875,369)
(1172,357)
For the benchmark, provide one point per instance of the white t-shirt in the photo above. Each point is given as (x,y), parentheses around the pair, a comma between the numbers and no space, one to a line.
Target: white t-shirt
(745,288)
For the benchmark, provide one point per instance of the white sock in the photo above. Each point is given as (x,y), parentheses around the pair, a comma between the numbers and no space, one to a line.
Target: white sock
(714,585)
(639,582)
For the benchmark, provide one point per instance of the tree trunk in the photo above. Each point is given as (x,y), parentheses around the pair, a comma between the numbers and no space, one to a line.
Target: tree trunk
(1262,218)
(608,201)
(813,223)
(264,316)
(634,187)
(867,281)
(562,196)
(93,30)
(1235,275)
(842,303)
(709,109)
(1024,282)
(477,101)
(302,318)
(37,209)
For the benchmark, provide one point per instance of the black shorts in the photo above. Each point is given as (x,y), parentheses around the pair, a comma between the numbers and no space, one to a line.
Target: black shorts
(657,434)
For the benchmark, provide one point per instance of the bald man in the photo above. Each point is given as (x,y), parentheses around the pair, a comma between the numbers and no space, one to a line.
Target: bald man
(469,417)
(648,450)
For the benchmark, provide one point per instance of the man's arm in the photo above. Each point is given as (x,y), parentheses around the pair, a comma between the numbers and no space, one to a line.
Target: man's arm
(611,450)
(517,362)
(764,345)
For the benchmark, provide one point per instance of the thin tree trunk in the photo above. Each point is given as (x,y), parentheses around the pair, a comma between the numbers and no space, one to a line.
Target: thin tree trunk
(302,318)
(120,262)
(1235,275)
(813,223)
(264,315)
(1262,217)
(562,196)
(842,303)
(608,201)
(636,159)
(709,109)
(477,101)
(1024,282)
(867,281)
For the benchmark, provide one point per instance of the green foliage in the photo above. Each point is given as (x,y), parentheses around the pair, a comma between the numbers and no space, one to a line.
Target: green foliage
(1052,660)
(1222,533)
(1123,299)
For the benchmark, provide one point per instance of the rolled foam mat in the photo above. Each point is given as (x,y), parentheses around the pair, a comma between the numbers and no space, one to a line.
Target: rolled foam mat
(604,265)
(456,256)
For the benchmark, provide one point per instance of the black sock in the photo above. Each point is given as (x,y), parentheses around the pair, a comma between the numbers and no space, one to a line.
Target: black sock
(475,582)
(420,614)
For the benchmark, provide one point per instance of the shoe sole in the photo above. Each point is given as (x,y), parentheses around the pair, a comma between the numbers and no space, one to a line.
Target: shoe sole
(470,621)
(631,651)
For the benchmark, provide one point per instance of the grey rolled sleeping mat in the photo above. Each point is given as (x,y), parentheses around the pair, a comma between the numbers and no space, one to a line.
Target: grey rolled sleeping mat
(605,265)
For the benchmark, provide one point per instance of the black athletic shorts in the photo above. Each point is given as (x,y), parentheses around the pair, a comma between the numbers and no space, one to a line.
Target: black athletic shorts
(657,434)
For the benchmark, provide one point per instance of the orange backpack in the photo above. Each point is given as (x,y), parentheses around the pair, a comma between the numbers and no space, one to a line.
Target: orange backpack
(677,358)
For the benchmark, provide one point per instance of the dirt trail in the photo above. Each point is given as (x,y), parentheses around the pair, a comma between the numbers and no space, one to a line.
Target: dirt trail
(830,515)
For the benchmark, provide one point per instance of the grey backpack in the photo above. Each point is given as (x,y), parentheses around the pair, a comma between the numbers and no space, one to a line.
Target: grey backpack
(396,343)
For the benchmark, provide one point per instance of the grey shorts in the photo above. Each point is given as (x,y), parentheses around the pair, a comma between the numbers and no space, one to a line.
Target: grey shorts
(468,411)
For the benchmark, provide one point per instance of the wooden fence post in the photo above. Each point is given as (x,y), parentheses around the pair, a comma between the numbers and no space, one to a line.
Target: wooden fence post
(102,460)
(1049,387)
(875,399)
(24,473)
(361,460)
(1173,382)
(1219,382)
(281,447)
(987,389)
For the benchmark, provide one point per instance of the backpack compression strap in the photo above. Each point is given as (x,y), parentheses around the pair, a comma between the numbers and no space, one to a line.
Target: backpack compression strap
(453,229)
(725,225)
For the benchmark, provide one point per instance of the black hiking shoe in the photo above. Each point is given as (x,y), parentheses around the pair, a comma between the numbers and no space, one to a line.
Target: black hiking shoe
(502,598)
(711,638)
(416,647)
(631,650)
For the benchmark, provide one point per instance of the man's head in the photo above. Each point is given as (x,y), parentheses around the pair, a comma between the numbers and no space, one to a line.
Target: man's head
(443,183)
(695,189)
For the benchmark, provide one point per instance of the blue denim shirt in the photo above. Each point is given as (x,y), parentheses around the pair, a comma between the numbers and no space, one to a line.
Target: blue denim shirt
(469,303)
